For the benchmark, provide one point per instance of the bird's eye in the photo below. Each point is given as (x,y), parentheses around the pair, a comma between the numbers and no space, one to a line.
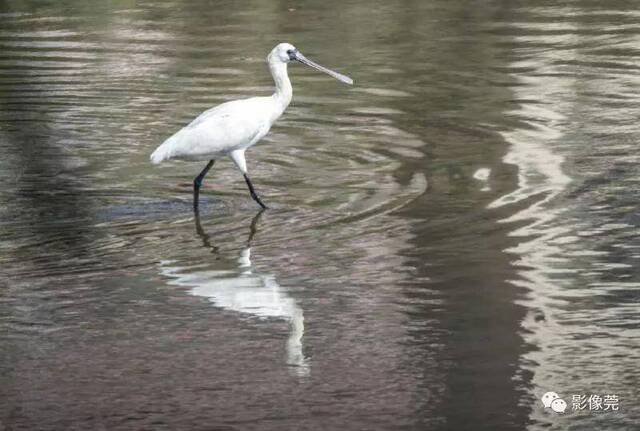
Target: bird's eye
(289,51)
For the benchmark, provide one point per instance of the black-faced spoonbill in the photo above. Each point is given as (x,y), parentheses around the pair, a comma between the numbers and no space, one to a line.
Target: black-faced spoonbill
(231,128)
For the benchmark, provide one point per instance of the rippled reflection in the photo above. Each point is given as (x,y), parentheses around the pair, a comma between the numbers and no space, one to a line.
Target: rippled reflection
(572,243)
(244,290)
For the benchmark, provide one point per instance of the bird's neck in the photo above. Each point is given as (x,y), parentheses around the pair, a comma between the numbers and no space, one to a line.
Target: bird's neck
(284,92)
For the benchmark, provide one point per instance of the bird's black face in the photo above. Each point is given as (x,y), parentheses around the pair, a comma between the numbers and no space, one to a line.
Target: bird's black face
(292,54)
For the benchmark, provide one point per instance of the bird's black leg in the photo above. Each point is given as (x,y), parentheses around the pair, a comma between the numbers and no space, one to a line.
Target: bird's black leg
(197,183)
(253,192)
(254,227)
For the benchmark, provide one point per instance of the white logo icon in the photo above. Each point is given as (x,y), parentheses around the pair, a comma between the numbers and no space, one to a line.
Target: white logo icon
(548,398)
(553,400)
(558,405)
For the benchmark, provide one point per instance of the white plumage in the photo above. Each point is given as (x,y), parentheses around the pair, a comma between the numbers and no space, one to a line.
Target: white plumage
(231,128)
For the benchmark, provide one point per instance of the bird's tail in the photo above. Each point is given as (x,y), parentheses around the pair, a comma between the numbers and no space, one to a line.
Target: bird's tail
(163,152)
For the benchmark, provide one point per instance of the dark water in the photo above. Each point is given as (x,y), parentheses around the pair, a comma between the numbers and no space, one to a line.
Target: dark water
(449,239)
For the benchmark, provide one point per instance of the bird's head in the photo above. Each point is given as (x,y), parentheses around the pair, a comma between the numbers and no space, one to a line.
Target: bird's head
(285,53)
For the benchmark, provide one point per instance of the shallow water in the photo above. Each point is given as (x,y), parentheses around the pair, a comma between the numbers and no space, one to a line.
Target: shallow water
(449,239)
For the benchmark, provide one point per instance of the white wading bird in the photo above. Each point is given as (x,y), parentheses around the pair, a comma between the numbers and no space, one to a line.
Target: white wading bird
(231,128)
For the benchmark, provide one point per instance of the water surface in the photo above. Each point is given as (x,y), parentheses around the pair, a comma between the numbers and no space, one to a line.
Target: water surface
(448,239)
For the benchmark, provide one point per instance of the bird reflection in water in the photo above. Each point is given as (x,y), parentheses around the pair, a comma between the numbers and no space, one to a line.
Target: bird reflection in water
(246,291)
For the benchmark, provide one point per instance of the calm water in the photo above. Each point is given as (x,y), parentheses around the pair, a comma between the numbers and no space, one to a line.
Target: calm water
(449,239)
